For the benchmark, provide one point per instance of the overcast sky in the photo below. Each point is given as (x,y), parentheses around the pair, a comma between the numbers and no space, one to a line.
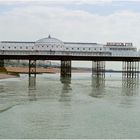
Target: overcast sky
(97,21)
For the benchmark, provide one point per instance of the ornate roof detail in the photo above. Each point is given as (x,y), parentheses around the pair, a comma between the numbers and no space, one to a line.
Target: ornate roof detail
(50,43)
(49,40)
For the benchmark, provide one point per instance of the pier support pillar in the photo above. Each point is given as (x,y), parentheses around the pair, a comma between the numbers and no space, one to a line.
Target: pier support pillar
(66,88)
(130,69)
(98,68)
(2,68)
(32,74)
(2,63)
(65,68)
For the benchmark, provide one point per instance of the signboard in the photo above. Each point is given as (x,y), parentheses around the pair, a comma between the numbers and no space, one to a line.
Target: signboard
(119,44)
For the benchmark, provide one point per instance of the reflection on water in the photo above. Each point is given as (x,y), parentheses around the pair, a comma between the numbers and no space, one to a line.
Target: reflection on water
(66,88)
(32,88)
(1,88)
(130,86)
(98,85)
(32,82)
(130,89)
(32,94)
(64,109)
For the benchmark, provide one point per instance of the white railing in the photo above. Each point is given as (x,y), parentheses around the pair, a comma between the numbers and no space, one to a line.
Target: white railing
(64,53)
(68,53)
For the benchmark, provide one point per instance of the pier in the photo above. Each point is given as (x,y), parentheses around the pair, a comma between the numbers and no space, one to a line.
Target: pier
(54,49)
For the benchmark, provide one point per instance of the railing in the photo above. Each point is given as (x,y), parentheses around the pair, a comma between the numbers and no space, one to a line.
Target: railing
(64,53)
(68,53)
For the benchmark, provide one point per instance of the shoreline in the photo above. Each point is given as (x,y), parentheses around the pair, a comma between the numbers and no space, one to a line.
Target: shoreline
(25,70)
(13,72)
(7,76)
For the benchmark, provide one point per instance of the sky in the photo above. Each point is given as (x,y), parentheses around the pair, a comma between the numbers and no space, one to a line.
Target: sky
(98,21)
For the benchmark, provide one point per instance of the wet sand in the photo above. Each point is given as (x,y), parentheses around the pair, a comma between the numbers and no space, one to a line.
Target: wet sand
(5,76)
(41,70)
(26,70)
(13,72)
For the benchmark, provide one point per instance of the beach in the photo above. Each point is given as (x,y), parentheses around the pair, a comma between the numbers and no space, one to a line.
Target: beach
(13,72)
(5,76)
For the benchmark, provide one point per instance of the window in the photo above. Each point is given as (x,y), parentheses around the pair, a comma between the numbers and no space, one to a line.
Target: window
(9,47)
(83,48)
(3,47)
(89,48)
(26,47)
(111,48)
(15,47)
(20,47)
(77,48)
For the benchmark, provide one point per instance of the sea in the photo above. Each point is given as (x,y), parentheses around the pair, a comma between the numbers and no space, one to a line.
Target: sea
(83,107)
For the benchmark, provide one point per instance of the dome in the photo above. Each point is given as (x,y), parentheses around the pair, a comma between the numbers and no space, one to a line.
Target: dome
(49,41)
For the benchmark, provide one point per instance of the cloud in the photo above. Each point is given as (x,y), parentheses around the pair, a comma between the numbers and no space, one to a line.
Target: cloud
(32,22)
(94,2)
(58,2)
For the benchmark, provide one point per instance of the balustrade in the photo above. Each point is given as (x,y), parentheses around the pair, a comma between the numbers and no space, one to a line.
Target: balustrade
(66,53)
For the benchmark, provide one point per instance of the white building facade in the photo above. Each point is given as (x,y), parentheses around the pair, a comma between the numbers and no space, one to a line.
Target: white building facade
(53,46)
